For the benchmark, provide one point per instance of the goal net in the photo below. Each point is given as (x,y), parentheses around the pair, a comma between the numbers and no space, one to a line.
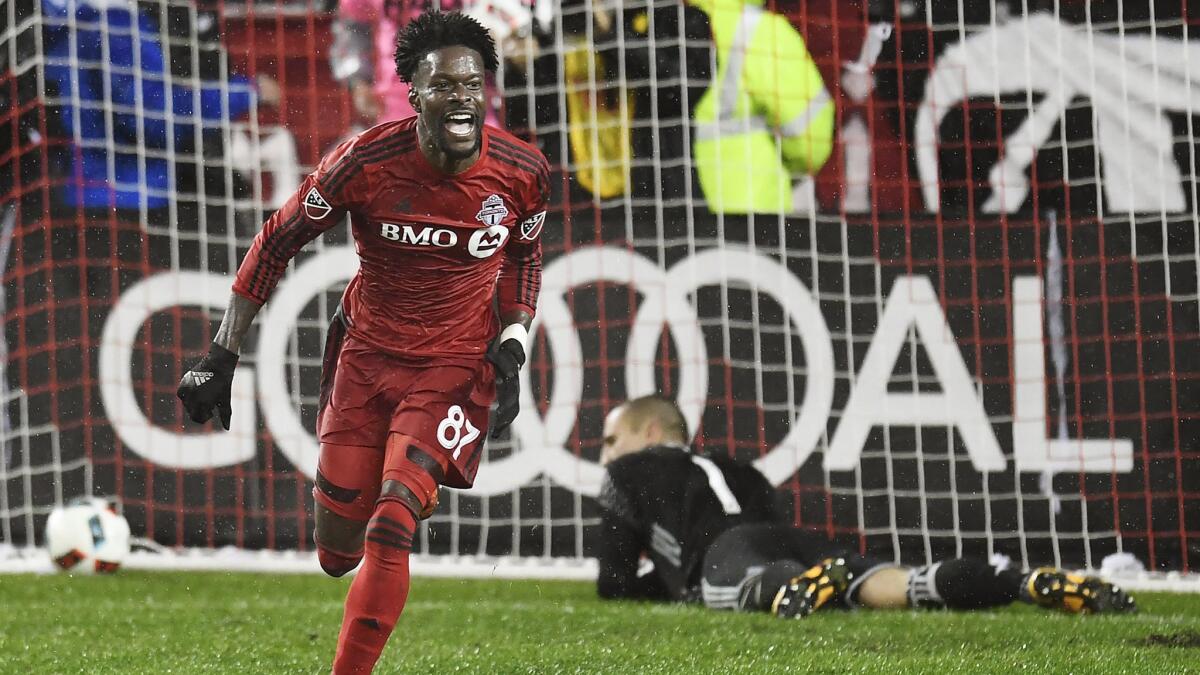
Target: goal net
(976,330)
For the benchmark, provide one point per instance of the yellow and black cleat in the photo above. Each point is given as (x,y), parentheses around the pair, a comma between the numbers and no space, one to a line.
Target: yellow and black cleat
(1076,593)
(817,587)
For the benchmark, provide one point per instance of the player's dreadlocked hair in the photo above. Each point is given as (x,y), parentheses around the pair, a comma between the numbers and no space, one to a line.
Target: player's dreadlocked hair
(434,30)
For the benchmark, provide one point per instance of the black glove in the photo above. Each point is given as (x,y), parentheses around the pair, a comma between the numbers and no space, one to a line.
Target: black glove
(208,386)
(507,356)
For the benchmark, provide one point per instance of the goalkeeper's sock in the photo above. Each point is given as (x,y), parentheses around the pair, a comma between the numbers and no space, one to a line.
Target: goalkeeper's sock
(963,583)
(378,592)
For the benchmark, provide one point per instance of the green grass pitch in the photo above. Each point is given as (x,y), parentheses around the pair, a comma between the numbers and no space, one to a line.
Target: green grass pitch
(159,622)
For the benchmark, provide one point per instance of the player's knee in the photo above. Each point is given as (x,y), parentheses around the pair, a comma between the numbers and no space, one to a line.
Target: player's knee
(335,536)
(416,490)
(337,564)
(413,475)
(399,493)
(337,532)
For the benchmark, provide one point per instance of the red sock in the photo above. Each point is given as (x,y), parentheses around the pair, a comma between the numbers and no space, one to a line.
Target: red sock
(337,564)
(378,592)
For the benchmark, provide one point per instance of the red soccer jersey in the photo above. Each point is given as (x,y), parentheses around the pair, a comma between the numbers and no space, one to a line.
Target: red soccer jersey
(434,248)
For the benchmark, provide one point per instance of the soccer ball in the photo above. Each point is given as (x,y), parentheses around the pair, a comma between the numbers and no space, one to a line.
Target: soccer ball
(87,536)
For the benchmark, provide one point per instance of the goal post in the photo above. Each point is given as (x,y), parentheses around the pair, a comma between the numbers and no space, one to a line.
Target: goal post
(992,345)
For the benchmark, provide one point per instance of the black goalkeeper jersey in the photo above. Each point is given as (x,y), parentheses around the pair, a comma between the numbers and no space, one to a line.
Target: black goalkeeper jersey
(670,504)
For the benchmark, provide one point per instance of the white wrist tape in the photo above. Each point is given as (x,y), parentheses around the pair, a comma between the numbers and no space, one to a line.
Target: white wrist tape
(517,332)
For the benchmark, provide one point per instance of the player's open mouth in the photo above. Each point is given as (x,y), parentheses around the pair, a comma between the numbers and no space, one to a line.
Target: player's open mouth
(460,125)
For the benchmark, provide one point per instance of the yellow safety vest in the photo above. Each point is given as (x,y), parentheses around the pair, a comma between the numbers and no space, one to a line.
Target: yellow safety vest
(599,126)
(767,116)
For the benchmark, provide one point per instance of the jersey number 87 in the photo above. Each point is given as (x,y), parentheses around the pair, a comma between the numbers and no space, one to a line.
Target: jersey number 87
(456,431)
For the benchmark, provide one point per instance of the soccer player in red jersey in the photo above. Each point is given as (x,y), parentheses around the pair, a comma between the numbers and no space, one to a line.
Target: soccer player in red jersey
(447,216)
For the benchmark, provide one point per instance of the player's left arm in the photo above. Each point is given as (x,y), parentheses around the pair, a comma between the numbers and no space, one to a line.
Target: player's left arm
(620,557)
(517,291)
(620,550)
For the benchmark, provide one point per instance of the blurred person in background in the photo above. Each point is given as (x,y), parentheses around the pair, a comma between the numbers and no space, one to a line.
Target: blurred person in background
(195,50)
(364,40)
(113,97)
(633,78)
(683,526)
(767,120)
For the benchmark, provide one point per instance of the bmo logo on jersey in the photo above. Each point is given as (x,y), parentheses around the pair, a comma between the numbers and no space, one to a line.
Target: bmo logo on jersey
(482,243)
(425,236)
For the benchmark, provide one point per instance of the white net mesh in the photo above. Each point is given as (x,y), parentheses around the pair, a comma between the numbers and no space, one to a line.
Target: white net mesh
(974,331)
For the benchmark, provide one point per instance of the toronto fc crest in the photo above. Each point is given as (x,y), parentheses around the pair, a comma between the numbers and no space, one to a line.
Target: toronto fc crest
(492,211)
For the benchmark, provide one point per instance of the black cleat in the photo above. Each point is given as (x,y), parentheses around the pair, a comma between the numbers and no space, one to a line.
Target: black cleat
(1077,594)
(812,590)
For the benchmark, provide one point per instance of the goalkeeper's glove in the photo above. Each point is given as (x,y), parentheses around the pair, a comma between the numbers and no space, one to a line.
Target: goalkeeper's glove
(208,386)
(507,354)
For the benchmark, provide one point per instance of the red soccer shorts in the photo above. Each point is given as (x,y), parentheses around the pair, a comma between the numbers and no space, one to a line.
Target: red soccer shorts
(382,418)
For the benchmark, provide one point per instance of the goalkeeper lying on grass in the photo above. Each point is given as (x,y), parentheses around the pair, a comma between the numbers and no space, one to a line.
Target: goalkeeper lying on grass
(709,527)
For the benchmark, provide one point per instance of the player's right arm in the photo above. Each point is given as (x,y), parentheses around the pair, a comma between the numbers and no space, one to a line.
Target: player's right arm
(621,548)
(337,186)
